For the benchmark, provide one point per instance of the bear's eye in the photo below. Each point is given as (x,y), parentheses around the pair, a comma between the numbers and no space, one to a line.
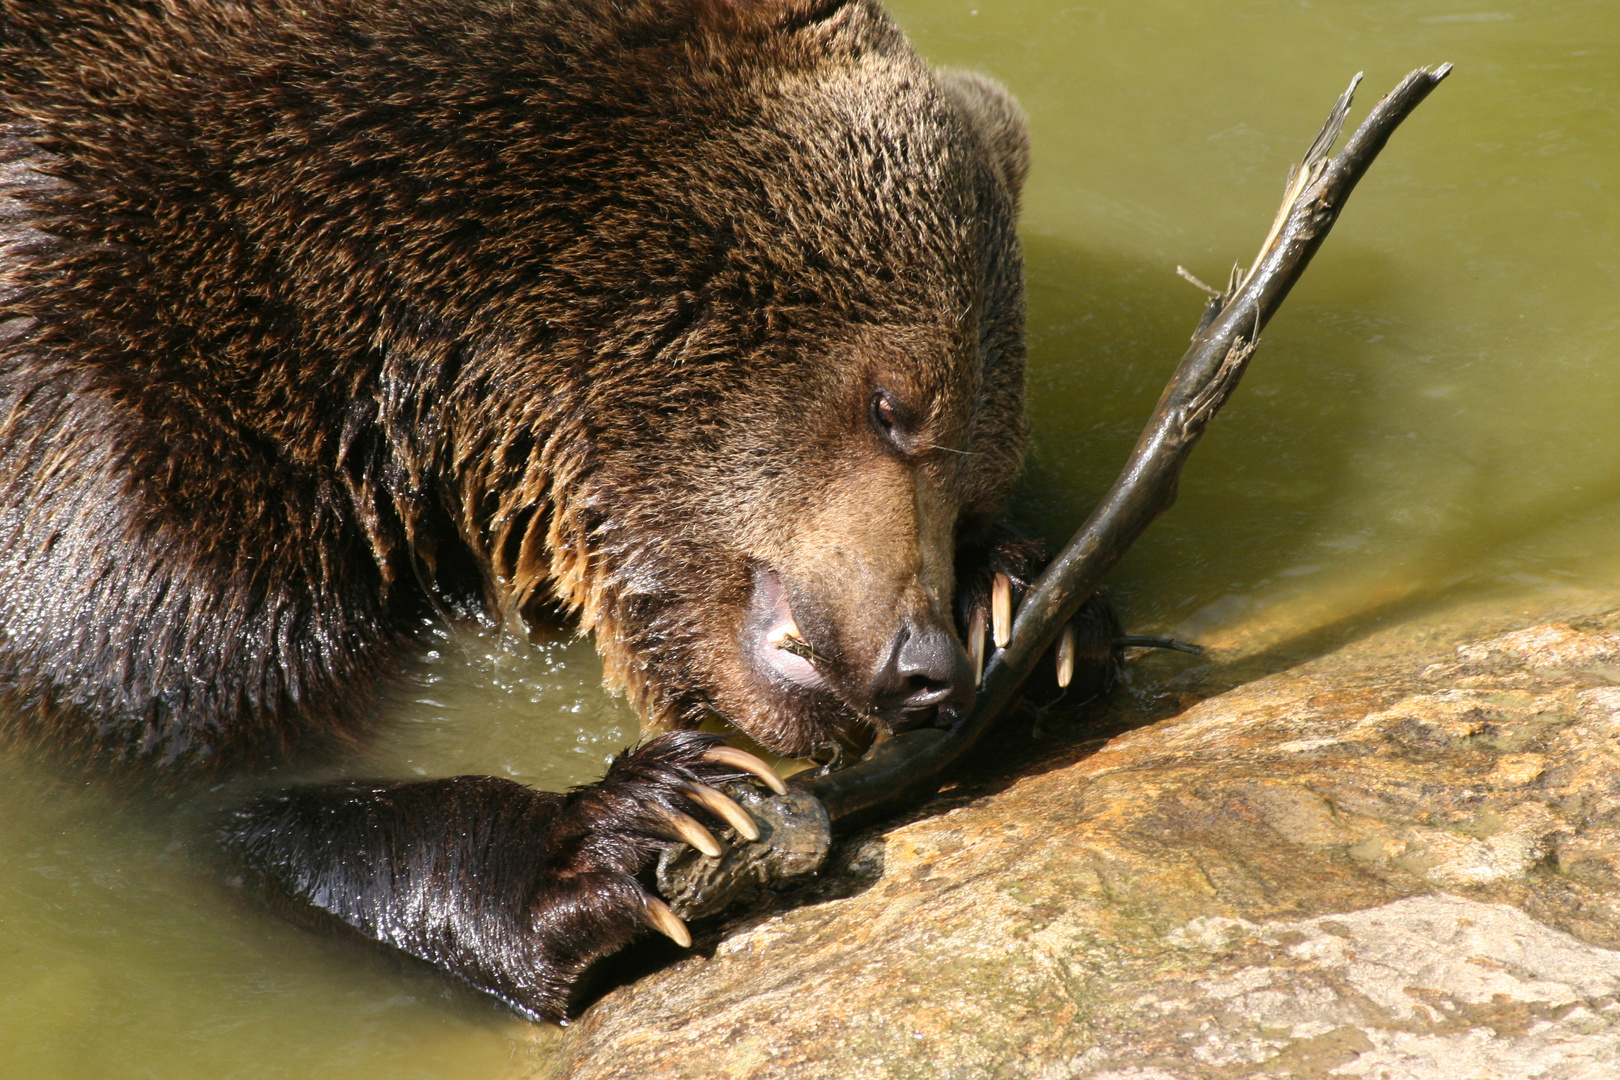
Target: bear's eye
(889,419)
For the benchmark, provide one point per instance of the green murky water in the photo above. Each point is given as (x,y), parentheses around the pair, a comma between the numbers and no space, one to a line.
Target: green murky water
(1432,412)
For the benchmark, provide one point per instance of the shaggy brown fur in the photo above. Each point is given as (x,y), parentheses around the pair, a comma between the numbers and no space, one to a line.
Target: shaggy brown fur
(317,313)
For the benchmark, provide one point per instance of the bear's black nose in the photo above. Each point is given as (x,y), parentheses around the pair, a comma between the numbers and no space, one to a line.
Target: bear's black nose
(928,677)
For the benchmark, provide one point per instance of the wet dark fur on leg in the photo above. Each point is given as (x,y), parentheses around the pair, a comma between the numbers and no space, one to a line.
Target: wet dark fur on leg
(556,874)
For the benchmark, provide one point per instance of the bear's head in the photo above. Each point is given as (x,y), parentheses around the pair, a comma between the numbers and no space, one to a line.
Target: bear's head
(794,376)
(769,380)
(699,319)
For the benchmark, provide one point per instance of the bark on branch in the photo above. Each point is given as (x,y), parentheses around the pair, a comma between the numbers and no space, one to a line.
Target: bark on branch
(910,765)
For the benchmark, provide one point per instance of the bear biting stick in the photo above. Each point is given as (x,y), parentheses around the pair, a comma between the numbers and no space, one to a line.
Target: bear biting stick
(697,321)
(909,766)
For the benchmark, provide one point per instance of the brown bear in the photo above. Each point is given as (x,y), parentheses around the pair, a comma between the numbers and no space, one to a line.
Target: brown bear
(699,321)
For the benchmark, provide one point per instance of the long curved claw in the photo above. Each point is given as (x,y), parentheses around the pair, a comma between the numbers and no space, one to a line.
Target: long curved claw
(724,808)
(1001,609)
(743,761)
(976,623)
(687,828)
(1065,657)
(666,922)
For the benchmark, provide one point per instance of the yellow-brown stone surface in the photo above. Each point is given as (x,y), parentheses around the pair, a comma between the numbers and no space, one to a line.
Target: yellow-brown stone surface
(1399,859)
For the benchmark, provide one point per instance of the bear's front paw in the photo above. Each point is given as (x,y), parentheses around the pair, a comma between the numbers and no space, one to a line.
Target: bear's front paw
(514,890)
(990,589)
(655,794)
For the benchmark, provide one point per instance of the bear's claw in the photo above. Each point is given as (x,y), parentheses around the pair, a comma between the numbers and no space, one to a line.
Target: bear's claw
(666,922)
(1001,609)
(1065,657)
(975,642)
(748,763)
(686,828)
(725,808)
(993,585)
(645,797)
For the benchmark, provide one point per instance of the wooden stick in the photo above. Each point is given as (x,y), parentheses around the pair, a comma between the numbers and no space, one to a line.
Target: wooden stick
(909,766)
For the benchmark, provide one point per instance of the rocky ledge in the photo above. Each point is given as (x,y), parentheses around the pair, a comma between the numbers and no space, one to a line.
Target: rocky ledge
(1397,860)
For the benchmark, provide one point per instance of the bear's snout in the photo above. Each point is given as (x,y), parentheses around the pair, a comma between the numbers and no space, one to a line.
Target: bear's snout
(927,679)
(914,673)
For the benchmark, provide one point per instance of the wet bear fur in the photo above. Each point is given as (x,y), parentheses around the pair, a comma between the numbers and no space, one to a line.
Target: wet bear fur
(677,317)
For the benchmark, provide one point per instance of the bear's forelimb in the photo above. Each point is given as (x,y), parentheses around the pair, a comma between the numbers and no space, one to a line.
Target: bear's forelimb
(513,890)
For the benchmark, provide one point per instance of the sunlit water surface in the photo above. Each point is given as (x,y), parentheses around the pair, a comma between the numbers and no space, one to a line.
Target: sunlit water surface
(1432,414)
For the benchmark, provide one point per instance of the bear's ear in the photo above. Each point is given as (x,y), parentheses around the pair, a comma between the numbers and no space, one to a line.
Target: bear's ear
(994,114)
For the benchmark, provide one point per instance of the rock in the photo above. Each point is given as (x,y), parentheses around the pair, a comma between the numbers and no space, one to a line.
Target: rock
(1398,860)
(1431,986)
